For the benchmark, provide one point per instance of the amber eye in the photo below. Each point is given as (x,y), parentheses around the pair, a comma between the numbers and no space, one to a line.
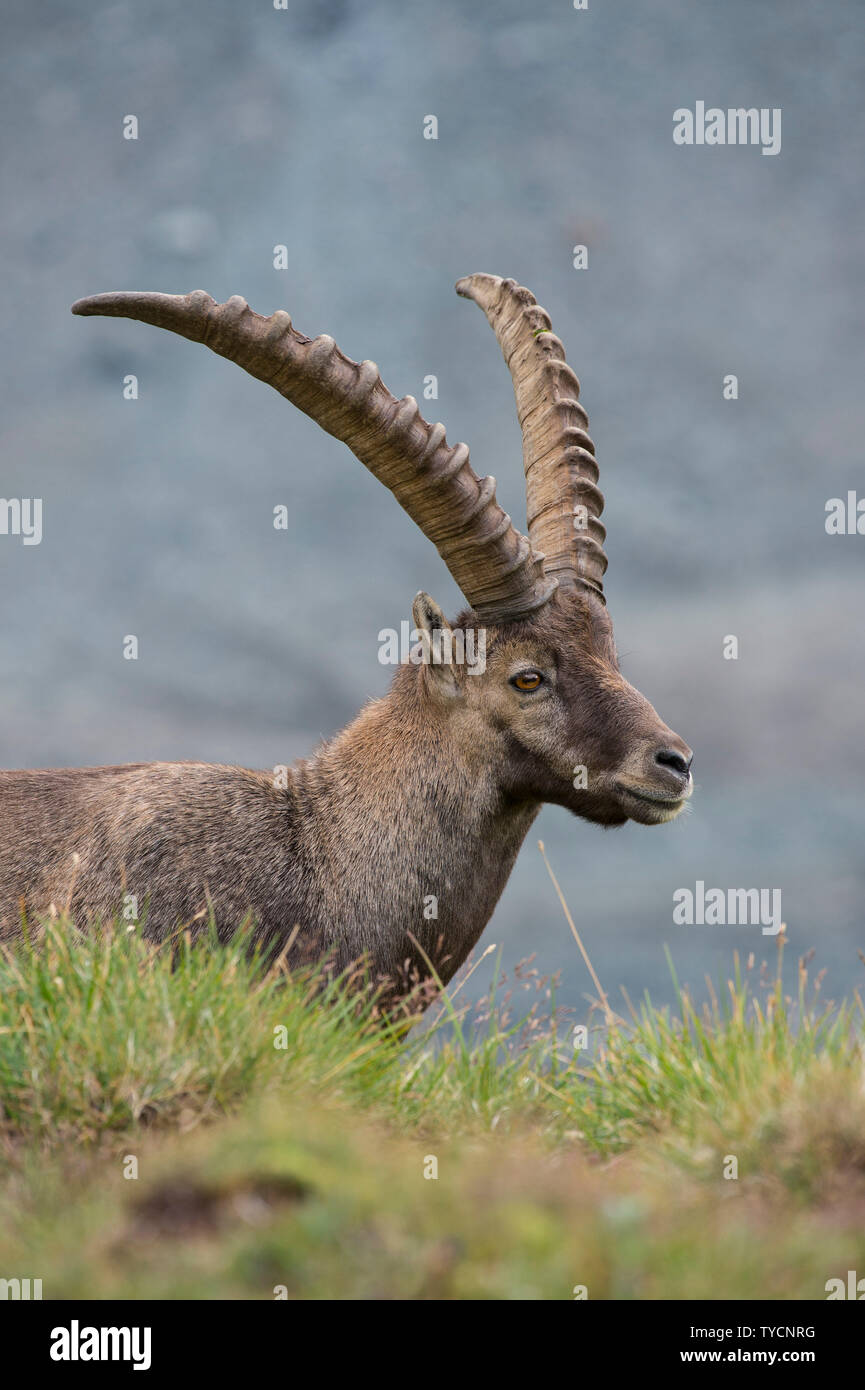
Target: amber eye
(527,680)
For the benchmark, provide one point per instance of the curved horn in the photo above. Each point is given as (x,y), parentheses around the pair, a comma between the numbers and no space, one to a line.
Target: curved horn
(558,455)
(492,563)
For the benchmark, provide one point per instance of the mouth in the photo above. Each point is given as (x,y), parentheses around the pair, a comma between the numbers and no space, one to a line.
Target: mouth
(651,807)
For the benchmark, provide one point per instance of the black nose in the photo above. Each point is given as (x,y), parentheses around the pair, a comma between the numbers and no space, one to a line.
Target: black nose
(668,757)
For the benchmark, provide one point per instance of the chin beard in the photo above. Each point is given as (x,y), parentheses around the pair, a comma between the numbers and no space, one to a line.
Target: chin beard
(598,811)
(607,820)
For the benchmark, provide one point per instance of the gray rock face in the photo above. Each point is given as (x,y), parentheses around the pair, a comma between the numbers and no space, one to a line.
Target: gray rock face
(304,129)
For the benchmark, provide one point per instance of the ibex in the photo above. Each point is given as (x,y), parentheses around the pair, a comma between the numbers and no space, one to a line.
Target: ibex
(395,840)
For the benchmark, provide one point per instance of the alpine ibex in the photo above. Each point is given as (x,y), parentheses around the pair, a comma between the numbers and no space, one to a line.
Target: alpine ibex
(426,798)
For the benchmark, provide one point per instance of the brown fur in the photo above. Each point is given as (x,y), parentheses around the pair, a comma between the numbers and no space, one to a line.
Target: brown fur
(429,792)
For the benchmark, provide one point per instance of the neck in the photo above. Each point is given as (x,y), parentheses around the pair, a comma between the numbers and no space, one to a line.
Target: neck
(408,835)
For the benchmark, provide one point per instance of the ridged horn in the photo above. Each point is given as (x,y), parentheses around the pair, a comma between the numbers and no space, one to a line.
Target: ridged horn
(558,455)
(493,564)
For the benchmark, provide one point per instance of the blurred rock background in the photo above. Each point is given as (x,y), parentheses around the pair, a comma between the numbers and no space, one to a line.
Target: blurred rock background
(304,127)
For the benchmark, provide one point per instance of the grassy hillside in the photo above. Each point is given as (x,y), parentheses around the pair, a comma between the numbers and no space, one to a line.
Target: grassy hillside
(284,1141)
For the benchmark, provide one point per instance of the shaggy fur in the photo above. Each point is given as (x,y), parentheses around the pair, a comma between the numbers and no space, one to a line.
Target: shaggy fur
(427,795)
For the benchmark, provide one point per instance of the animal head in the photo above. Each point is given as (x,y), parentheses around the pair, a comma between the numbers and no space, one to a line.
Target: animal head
(542,702)
(547,707)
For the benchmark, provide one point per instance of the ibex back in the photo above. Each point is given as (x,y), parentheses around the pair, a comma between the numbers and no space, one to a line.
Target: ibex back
(395,840)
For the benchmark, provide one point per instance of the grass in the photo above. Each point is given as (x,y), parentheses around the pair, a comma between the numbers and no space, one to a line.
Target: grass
(231,1130)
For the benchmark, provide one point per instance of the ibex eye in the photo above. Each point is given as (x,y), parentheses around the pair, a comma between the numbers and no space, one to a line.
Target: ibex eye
(527,680)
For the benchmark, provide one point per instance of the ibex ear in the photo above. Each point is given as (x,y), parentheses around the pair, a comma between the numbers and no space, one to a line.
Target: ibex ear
(436,647)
